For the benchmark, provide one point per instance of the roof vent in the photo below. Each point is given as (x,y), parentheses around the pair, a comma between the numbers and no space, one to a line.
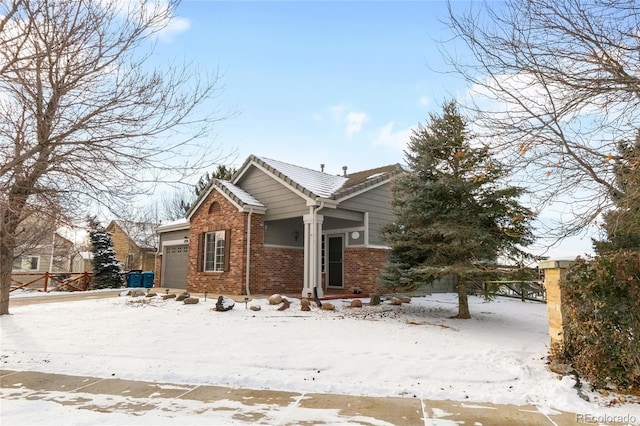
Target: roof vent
(344,171)
(322,168)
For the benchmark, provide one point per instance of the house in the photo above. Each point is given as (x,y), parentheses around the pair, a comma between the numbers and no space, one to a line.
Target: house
(134,244)
(50,253)
(277,227)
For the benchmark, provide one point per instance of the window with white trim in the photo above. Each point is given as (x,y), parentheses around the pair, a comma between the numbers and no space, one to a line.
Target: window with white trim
(214,251)
(27,263)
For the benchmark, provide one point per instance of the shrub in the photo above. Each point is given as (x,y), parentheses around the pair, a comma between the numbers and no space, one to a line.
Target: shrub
(601,320)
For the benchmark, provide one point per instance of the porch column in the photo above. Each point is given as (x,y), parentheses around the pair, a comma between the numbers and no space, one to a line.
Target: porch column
(312,254)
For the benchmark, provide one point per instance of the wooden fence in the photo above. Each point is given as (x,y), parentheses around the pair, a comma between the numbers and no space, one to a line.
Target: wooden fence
(51,281)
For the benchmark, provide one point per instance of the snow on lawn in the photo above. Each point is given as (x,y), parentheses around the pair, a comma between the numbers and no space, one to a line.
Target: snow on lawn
(416,349)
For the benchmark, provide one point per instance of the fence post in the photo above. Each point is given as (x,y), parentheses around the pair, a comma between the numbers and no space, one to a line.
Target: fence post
(554,271)
(46,281)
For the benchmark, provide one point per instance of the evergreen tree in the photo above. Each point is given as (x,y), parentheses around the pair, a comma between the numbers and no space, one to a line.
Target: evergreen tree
(222,172)
(106,268)
(622,224)
(454,214)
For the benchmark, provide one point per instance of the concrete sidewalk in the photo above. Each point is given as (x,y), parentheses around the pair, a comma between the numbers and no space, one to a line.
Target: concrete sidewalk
(136,398)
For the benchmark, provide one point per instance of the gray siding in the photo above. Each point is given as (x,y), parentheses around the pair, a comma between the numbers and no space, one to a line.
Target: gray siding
(378,203)
(280,201)
(281,232)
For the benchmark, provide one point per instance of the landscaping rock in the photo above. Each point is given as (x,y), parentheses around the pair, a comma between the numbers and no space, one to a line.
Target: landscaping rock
(405,299)
(275,299)
(326,306)
(255,307)
(224,304)
(152,294)
(395,301)
(356,303)
(305,305)
(375,300)
(191,300)
(168,296)
(182,296)
(137,293)
(285,305)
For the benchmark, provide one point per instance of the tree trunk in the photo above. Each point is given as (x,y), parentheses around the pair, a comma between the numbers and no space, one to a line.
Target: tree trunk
(463,302)
(6,265)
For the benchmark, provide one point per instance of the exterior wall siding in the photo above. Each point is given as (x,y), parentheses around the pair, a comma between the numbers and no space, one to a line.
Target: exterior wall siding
(280,201)
(362,267)
(143,259)
(377,202)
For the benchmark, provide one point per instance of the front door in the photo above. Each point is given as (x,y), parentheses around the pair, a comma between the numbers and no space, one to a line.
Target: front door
(336,254)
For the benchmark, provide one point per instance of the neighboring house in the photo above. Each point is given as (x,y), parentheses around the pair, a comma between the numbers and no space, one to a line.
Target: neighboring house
(53,253)
(134,243)
(277,227)
(82,262)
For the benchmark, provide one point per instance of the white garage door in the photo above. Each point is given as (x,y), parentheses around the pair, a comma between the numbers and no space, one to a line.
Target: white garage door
(174,270)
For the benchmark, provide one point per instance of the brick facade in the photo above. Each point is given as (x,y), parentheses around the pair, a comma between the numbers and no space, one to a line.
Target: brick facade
(225,217)
(361,269)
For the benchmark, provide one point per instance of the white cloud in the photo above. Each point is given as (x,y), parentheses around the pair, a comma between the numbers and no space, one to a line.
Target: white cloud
(175,26)
(387,137)
(352,120)
(424,101)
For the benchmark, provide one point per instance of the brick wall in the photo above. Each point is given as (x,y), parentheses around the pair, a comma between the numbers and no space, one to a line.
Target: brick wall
(227,217)
(276,270)
(157,277)
(362,267)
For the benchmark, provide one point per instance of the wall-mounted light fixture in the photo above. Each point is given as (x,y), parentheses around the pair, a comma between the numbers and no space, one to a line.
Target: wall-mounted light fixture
(295,235)
(186,239)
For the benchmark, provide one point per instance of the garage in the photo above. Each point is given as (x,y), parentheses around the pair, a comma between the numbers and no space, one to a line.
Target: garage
(174,269)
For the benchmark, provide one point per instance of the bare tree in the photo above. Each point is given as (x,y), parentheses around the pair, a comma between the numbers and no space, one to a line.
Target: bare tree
(555,85)
(85,117)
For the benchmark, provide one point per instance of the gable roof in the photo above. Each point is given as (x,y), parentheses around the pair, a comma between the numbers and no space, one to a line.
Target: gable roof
(316,184)
(311,183)
(238,196)
(142,234)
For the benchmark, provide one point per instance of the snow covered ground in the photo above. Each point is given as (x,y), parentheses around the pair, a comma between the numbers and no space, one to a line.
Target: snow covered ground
(415,349)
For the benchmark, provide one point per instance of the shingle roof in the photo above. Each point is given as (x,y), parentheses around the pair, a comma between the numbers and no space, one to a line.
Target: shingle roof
(361,180)
(239,195)
(314,183)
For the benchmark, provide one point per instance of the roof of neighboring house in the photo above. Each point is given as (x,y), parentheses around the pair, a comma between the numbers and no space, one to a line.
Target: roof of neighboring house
(141,233)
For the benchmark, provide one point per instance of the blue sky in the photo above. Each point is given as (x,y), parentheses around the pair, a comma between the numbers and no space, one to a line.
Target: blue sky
(339,83)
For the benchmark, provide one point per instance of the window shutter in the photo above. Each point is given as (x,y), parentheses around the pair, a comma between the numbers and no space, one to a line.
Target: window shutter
(200,257)
(227,249)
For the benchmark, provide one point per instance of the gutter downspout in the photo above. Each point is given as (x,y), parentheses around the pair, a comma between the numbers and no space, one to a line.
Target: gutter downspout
(246,284)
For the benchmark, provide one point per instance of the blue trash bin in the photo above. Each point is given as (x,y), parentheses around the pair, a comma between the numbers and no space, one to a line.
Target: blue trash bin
(134,278)
(147,279)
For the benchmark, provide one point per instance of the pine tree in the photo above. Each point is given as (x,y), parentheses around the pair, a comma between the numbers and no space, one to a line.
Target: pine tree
(622,223)
(454,214)
(106,268)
